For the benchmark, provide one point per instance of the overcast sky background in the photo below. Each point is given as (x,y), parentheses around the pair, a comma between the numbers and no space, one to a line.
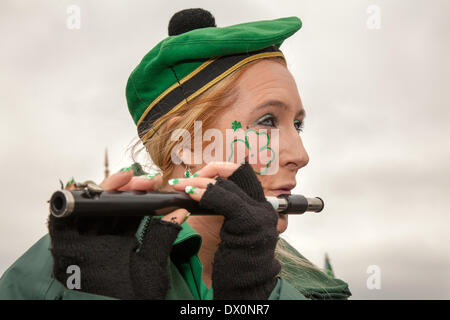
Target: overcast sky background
(378,105)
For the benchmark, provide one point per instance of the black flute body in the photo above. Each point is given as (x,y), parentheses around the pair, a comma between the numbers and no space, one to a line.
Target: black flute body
(64,203)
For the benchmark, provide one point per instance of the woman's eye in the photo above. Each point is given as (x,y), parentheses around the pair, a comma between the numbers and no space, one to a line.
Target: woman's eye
(299,125)
(267,120)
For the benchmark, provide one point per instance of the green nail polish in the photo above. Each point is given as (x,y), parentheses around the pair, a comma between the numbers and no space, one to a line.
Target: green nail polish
(190,189)
(173,181)
(185,218)
(195,175)
(70,182)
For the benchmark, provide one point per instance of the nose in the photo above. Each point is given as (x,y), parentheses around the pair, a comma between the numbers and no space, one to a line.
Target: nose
(292,153)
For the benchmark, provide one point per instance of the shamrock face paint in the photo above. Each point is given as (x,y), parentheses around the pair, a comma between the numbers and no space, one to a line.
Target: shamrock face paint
(259,144)
(236,125)
(251,145)
(265,108)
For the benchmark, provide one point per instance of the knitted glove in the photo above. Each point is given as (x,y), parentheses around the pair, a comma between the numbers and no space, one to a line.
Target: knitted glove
(105,251)
(244,264)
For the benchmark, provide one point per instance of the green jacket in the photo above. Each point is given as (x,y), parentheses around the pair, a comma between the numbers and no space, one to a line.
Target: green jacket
(30,277)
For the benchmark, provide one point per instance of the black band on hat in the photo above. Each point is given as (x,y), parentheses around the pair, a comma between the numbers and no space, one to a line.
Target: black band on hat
(194,84)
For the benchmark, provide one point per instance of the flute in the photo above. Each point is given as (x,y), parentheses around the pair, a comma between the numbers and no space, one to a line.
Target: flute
(66,203)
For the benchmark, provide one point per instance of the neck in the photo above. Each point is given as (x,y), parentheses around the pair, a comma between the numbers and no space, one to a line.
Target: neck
(209,229)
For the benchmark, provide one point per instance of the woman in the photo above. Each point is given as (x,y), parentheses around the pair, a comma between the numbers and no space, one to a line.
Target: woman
(232,78)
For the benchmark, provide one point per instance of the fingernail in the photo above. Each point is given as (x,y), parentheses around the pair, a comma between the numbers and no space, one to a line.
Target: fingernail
(151,176)
(173,181)
(190,189)
(125,169)
(185,218)
(195,175)
(70,182)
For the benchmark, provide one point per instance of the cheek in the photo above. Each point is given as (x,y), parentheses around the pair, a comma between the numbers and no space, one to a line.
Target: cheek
(264,179)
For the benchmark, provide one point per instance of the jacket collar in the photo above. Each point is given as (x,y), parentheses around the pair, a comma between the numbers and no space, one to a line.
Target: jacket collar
(187,244)
(188,233)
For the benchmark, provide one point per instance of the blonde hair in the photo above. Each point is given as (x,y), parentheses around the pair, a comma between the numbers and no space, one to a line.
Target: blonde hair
(206,107)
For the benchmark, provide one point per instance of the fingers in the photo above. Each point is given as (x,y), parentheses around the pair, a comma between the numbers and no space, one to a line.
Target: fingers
(217,169)
(117,180)
(180,184)
(213,198)
(70,185)
(125,181)
(178,216)
(194,187)
(143,183)
(162,233)
(195,192)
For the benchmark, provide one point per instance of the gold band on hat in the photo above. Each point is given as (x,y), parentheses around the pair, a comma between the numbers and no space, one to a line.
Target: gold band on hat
(195,83)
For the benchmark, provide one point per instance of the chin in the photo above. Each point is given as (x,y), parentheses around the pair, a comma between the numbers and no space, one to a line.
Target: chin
(282,223)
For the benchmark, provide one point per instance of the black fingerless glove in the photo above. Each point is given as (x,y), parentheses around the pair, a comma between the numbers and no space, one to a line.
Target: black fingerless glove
(244,264)
(105,251)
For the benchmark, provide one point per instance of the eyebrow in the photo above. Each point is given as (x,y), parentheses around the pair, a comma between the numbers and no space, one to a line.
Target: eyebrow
(280,104)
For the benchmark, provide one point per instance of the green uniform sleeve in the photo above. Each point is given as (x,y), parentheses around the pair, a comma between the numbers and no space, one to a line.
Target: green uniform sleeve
(30,278)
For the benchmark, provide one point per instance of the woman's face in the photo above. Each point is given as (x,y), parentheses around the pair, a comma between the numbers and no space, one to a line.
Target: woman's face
(268,99)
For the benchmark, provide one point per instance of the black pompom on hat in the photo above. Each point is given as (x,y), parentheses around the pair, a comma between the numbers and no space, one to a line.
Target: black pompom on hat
(190,19)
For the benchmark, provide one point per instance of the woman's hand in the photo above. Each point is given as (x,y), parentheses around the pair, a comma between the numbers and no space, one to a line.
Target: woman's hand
(244,264)
(125,181)
(104,248)
(196,186)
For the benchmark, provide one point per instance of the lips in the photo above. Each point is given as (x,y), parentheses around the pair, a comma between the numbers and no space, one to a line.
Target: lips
(285,189)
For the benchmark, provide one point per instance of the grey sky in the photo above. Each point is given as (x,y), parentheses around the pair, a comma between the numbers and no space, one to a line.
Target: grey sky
(376,131)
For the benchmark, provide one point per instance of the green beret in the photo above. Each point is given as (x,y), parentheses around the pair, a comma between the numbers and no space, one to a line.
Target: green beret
(182,66)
